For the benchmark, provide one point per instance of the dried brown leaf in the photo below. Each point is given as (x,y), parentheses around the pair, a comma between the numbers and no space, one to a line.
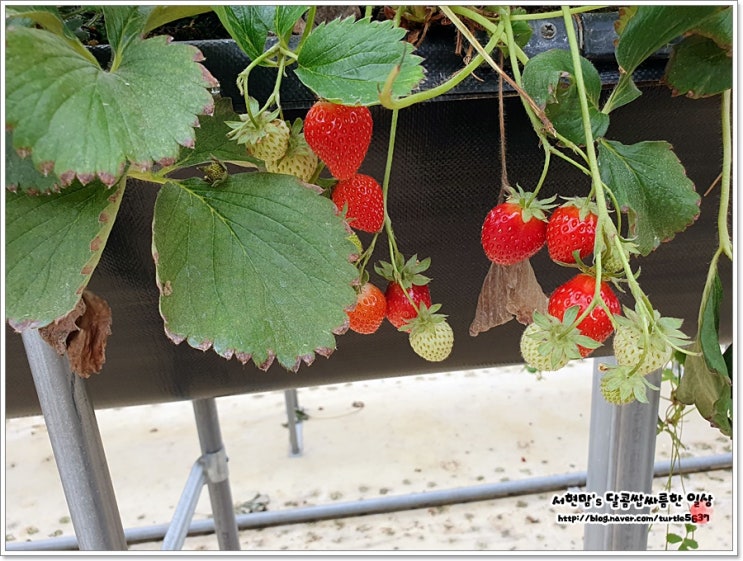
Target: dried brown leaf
(58,332)
(508,292)
(86,349)
(82,334)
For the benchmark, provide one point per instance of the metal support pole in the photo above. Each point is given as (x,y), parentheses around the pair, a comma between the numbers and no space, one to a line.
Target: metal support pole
(177,532)
(294,424)
(78,450)
(214,461)
(621,456)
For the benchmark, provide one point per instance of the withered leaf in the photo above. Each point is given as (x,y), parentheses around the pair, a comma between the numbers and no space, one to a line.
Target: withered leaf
(82,334)
(508,291)
(58,332)
(86,349)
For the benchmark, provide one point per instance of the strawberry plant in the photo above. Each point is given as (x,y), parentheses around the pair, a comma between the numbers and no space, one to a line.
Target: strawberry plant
(257,257)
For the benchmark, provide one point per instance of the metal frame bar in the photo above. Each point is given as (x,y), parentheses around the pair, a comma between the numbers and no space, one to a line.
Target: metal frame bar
(293,422)
(177,532)
(621,454)
(78,450)
(385,504)
(214,462)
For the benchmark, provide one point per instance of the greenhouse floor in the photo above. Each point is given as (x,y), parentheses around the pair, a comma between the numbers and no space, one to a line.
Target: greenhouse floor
(363,440)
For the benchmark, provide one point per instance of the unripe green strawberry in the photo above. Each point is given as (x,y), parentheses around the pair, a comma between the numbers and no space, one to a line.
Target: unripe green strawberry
(531,339)
(273,144)
(613,395)
(431,337)
(629,348)
(630,344)
(265,135)
(300,166)
(433,342)
(299,160)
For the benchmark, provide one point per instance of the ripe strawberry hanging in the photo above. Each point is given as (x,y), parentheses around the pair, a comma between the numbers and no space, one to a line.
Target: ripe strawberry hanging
(412,285)
(572,227)
(363,197)
(370,310)
(579,291)
(340,135)
(515,229)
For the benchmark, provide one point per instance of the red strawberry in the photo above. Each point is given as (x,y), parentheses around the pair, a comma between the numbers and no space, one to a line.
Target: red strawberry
(399,308)
(572,227)
(370,310)
(515,229)
(578,291)
(405,276)
(339,135)
(365,201)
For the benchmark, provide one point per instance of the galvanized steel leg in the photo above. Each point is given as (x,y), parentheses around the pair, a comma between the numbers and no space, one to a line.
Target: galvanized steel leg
(621,455)
(177,532)
(214,459)
(293,422)
(78,450)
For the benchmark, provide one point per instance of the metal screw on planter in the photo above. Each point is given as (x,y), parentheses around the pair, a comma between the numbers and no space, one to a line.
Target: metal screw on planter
(548,31)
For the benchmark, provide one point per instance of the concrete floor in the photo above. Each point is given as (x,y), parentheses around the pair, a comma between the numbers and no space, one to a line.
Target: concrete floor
(365,440)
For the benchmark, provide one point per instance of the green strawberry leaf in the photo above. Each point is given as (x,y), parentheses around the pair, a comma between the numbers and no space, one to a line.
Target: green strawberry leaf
(53,244)
(706,382)
(157,16)
(719,28)
(651,186)
(257,267)
(699,67)
(642,31)
(347,61)
(212,142)
(124,24)
(285,17)
(78,120)
(653,27)
(47,17)
(549,79)
(21,175)
(250,26)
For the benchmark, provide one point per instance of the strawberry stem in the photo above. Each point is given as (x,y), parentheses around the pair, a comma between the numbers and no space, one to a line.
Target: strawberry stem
(310,22)
(727,160)
(385,96)
(449,12)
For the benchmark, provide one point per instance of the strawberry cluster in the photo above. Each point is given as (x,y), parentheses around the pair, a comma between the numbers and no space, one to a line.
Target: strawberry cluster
(340,135)
(581,313)
(267,137)
(516,230)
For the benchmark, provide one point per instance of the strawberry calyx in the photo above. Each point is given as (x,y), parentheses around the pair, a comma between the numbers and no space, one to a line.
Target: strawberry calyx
(612,262)
(531,207)
(254,127)
(654,338)
(620,385)
(405,273)
(559,340)
(425,320)
(584,205)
